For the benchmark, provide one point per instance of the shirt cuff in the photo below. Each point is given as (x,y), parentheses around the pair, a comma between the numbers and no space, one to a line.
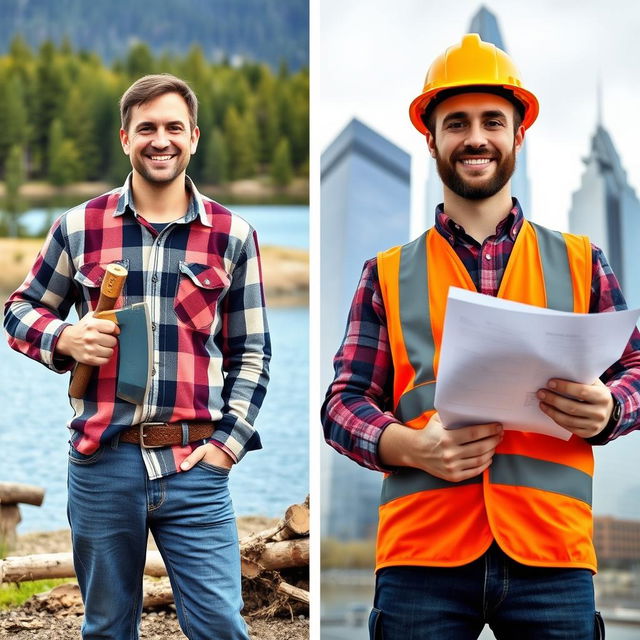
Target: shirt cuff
(236,435)
(375,462)
(606,434)
(225,449)
(50,337)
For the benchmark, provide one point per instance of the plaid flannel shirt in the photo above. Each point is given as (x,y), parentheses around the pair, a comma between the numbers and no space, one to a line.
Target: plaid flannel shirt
(358,405)
(202,281)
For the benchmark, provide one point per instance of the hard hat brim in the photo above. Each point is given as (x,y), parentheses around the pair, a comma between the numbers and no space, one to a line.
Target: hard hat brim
(526,98)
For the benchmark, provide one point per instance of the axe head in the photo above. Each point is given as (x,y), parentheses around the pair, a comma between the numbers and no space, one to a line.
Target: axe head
(135,352)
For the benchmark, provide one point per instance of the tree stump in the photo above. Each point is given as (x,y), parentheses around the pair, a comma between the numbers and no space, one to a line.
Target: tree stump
(11,494)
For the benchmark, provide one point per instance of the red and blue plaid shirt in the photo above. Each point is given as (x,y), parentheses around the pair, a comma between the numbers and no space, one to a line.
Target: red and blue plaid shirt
(358,406)
(202,281)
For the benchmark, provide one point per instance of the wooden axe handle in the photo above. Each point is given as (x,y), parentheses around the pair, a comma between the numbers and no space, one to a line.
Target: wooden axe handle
(110,290)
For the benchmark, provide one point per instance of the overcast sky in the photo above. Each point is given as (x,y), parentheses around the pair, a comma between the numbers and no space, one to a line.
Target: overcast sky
(373,57)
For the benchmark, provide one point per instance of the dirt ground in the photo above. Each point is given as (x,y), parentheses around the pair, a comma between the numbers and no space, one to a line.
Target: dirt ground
(31,622)
(24,624)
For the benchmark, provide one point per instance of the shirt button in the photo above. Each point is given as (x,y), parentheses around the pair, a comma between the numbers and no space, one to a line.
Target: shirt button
(154,278)
(488,256)
(153,371)
(154,326)
(207,281)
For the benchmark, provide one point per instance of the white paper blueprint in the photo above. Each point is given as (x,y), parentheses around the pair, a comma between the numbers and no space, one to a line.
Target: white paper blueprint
(496,354)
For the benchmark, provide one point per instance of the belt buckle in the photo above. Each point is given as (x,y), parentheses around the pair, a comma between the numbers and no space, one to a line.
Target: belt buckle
(141,428)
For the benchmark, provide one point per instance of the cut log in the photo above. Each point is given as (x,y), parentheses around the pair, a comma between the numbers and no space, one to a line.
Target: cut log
(275,555)
(294,592)
(154,565)
(156,593)
(9,520)
(36,567)
(14,493)
(285,554)
(249,568)
(294,524)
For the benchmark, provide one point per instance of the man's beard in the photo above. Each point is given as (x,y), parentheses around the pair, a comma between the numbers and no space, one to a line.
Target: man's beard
(158,177)
(480,190)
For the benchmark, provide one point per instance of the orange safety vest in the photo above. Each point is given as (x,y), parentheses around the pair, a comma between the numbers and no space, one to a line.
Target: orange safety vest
(535,498)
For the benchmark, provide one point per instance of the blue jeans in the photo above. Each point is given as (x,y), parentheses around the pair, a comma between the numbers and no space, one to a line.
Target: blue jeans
(113,505)
(516,601)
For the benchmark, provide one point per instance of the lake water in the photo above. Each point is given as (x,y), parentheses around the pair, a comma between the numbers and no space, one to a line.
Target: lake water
(280,225)
(35,408)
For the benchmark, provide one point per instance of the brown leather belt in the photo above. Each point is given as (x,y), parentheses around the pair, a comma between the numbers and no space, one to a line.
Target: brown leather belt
(151,435)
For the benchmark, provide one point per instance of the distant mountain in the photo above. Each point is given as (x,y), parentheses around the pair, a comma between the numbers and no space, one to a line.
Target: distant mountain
(263,30)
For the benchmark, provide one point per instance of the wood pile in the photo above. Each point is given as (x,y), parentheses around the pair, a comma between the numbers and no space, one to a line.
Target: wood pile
(275,571)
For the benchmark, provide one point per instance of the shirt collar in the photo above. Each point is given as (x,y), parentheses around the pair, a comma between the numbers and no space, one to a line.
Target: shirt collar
(509,226)
(195,210)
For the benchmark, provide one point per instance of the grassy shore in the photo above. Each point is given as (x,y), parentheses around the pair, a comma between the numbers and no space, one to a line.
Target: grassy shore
(285,270)
(258,190)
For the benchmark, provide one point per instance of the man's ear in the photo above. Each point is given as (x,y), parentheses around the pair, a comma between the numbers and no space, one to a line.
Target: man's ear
(195,136)
(431,143)
(519,138)
(124,141)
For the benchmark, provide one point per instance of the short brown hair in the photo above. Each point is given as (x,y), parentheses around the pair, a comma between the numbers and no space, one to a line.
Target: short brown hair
(152,86)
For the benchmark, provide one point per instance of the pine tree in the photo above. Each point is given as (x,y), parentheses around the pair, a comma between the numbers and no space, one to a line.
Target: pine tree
(78,122)
(14,179)
(240,145)
(216,159)
(139,61)
(64,160)
(281,167)
(267,115)
(13,116)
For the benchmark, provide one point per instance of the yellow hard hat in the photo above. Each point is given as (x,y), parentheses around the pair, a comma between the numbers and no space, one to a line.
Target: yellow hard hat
(473,63)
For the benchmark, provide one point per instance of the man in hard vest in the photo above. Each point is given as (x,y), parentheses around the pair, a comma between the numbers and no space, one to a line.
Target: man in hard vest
(477,525)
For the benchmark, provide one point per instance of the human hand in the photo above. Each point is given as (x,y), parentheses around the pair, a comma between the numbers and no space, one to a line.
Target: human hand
(450,454)
(210,454)
(582,409)
(89,341)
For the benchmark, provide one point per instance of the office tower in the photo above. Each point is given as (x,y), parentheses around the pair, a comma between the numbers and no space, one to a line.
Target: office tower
(606,208)
(365,190)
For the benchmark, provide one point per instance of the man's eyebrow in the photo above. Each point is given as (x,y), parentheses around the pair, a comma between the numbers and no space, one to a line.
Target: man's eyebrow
(496,113)
(150,123)
(456,115)
(462,115)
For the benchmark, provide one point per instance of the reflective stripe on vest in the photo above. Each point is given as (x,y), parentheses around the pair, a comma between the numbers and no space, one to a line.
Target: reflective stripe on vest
(513,470)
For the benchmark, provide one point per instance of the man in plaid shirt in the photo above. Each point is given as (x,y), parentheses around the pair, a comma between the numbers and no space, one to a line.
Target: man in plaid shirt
(197,266)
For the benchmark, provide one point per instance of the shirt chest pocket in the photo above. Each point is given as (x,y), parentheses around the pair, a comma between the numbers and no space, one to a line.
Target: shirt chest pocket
(89,277)
(198,294)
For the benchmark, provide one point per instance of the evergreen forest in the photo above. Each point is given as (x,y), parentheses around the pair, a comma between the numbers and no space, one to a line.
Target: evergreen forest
(60,119)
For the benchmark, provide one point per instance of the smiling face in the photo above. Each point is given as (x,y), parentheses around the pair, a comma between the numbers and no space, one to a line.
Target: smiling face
(474,144)
(159,140)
